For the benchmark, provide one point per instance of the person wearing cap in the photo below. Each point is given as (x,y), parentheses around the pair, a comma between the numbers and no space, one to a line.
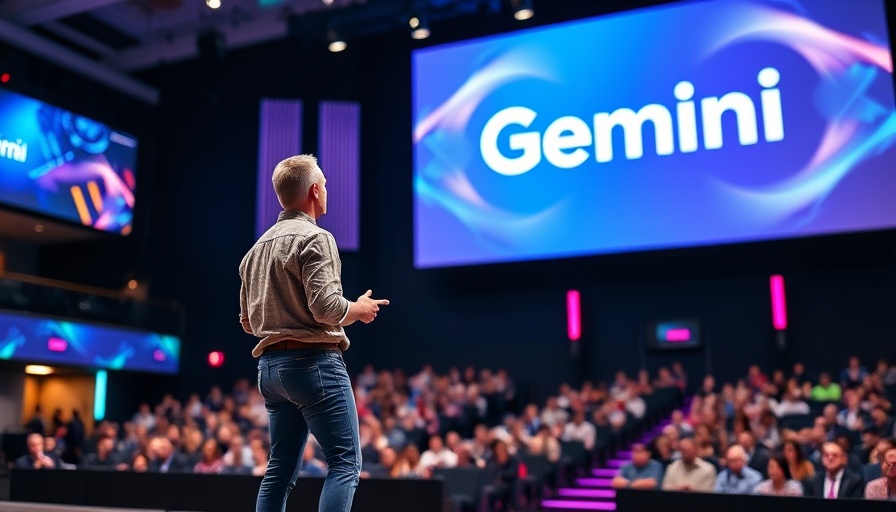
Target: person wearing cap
(641,473)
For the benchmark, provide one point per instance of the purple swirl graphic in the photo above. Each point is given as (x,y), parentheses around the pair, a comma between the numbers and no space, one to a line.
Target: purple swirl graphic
(858,126)
(444,179)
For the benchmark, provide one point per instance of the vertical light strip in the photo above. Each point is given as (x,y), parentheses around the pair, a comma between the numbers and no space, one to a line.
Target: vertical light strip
(95,196)
(573,315)
(279,137)
(81,205)
(339,154)
(99,397)
(779,303)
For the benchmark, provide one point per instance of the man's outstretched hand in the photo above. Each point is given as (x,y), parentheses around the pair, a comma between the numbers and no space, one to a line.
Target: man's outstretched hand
(364,309)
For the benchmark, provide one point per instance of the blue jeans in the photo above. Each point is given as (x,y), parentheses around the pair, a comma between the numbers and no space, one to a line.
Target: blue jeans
(304,390)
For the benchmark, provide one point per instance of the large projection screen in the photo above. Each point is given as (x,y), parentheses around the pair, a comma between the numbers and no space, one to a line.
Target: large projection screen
(697,123)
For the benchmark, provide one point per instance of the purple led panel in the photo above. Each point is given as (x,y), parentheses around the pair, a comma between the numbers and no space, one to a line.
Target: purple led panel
(339,157)
(279,137)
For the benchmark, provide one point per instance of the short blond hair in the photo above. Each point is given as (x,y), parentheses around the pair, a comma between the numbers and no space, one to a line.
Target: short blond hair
(293,178)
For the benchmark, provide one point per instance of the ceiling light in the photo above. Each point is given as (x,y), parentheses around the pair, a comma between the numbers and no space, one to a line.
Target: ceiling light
(523,9)
(37,369)
(213,4)
(337,42)
(327,2)
(419,27)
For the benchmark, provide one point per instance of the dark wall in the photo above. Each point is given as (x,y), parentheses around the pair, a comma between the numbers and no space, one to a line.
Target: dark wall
(201,209)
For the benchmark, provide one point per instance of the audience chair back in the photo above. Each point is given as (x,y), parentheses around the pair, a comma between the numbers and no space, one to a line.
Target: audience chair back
(463,487)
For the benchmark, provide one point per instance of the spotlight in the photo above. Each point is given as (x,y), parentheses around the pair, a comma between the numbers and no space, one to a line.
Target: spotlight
(337,42)
(327,2)
(37,369)
(523,9)
(213,4)
(419,27)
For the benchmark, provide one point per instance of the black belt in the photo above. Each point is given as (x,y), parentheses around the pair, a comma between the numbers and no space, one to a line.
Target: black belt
(296,344)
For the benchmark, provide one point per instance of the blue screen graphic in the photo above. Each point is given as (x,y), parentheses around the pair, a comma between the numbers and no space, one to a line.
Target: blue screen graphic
(34,339)
(694,124)
(59,163)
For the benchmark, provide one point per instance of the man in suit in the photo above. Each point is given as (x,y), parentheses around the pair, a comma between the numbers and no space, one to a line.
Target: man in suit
(164,459)
(836,481)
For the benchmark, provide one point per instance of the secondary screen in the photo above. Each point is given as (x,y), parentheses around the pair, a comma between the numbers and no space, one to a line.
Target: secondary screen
(59,163)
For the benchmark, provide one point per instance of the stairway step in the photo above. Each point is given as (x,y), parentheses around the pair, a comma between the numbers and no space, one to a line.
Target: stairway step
(594,482)
(601,494)
(605,472)
(577,505)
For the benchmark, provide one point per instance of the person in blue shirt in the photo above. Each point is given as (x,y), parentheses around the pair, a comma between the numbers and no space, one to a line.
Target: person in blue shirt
(737,477)
(641,473)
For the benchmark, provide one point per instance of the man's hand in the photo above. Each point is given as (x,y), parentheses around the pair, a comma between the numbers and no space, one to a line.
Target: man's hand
(368,307)
(365,309)
(44,462)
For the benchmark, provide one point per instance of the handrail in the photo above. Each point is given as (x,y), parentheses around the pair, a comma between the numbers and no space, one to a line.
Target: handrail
(83,288)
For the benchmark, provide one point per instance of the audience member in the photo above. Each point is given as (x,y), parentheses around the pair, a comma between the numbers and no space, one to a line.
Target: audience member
(798,466)
(211,462)
(780,481)
(437,456)
(503,477)
(662,451)
(884,488)
(886,372)
(36,458)
(163,458)
(641,473)
(408,463)
(790,405)
(836,481)
(853,375)
(852,417)
(689,473)
(826,390)
(580,430)
(37,424)
(104,457)
(140,463)
(737,477)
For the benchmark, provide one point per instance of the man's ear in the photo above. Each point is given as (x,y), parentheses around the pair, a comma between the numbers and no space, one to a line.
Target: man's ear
(315,190)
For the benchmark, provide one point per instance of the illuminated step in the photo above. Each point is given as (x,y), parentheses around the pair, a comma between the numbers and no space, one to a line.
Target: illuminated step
(577,505)
(587,493)
(594,482)
(605,472)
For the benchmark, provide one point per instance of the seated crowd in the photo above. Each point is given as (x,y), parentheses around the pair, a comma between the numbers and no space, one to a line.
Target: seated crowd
(779,436)
(736,439)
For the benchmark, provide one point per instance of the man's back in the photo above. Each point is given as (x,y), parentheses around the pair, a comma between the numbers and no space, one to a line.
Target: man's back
(291,287)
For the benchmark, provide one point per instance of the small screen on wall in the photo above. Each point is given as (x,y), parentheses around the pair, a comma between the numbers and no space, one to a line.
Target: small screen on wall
(59,163)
